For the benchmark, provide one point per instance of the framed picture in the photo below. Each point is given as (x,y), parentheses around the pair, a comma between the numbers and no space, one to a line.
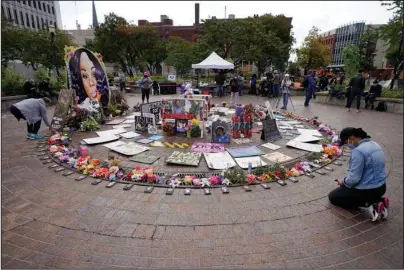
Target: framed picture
(142,121)
(220,132)
(180,125)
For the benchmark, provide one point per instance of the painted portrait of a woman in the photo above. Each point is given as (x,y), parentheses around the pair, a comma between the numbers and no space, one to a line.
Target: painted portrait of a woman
(88,77)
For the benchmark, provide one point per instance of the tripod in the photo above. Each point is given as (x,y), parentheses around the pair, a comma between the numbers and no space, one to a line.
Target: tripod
(279,98)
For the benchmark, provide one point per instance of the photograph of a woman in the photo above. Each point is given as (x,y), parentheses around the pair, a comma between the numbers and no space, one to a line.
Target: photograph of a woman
(88,78)
(179,106)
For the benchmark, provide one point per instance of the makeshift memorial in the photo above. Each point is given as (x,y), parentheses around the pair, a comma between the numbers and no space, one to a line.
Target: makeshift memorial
(207,147)
(144,175)
(143,121)
(254,161)
(196,129)
(111,132)
(184,158)
(62,109)
(244,151)
(312,132)
(270,130)
(271,146)
(115,122)
(219,161)
(306,137)
(155,137)
(305,146)
(277,157)
(220,132)
(129,135)
(151,129)
(169,127)
(242,140)
(145,141)
(235,175)
(153,108)
(128,149)
(144,158)
(157,144)
(83,120)
(58,139)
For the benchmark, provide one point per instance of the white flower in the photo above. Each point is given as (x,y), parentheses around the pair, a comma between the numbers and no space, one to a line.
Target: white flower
(175,183)
(226,182)
(205,182)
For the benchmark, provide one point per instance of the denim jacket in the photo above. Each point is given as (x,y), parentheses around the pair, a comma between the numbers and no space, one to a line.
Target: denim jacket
(366,169)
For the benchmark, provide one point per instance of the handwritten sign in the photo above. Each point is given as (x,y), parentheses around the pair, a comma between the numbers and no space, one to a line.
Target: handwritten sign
(154,108)
(62,109)
(143,121)
(270,131)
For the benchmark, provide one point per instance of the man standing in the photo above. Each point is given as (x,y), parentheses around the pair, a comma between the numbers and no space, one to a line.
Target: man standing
(357,85)
(122,80)
(309,88)
(276,83)
(240,84)
(219,78)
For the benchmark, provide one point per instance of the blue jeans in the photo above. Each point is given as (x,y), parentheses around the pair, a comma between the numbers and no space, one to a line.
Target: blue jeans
(285,99)
(309,95)
(240,90)
(275,89)
(220,90)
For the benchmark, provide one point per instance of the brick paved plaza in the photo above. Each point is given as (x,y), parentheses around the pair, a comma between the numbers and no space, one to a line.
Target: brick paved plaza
(52,221)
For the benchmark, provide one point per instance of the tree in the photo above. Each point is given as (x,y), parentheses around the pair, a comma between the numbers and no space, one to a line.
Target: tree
(293,70)
(367,49)
(351,60)
(313,53)
(180,55)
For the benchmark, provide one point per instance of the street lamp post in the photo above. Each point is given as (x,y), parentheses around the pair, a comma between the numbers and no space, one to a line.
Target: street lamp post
(52,36)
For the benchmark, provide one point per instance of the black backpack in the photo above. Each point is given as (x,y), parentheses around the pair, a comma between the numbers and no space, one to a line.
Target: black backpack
(381,106)
(305,82)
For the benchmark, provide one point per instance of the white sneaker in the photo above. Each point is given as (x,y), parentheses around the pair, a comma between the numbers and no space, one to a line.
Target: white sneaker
(385,208)
(371,212)
(348,110)
(358,111)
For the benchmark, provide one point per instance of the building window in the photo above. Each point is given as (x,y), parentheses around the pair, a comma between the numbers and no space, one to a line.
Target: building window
(24,2)
(44,7)
(29,3)
(43,25)
(27,19)
(49,9)
(10,18)
(22,18)
(33,21)
(50,23)
(53,10)
(54,23)
(39,5)
(34,3)
(3,15)
(38,25)
(16,17)
(46,23)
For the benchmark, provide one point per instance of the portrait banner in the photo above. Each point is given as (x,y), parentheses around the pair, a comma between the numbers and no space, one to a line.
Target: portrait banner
(87,76)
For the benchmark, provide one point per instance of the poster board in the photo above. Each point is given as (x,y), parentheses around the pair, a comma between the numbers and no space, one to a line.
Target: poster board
(255,162)
(127,149)
(153,108)
(270,130)
(207,147)
(244,151)
(184,158)
(219,161)
(62,109)
(142,121)
(182,108)
(94,85)
(309,147)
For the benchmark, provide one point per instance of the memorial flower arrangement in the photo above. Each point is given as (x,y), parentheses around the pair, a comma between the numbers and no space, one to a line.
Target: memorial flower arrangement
(145,175)
(195,128)
(235,175)
(168,129)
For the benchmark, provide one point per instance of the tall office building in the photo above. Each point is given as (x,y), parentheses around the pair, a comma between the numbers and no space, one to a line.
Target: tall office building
(32,14)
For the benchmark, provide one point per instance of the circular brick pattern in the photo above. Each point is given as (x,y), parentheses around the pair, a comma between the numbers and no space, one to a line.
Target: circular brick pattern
(52,221)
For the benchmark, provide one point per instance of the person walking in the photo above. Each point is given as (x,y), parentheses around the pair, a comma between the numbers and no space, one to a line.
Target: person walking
(122,80)
(357,85)
(285,87)
(220,78)
(375,91)
(234,96)
(365,183)
(33,111)
(310,87)
(240,84)
(253,85)
(276,83)
(146,84)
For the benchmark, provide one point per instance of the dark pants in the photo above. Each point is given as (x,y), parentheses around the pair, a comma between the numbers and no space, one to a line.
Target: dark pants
(351,198)
(369,100)
(240,89)
(33,128)
(253,90)
(351,97)
(220,90)
(276,89)
(122,86)
(145,93)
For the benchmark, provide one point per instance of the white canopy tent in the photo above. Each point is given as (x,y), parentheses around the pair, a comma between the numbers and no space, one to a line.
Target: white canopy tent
(214,61)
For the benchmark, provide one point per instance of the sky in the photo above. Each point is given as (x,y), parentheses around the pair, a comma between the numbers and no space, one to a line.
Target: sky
(325,15)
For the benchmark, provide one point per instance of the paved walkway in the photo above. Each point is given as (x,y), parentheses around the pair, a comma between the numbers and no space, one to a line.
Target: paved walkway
(52,221)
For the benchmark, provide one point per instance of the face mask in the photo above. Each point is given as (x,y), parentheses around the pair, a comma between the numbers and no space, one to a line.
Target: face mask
(350,145)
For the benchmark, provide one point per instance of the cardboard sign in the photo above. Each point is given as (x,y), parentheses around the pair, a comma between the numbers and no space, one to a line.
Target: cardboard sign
(143,121)
(207,147)
(270,131)
(62,109)
(153,108)
(219,161)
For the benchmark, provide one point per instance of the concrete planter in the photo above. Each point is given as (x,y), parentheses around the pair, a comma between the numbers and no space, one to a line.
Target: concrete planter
(7,101)
(393,105)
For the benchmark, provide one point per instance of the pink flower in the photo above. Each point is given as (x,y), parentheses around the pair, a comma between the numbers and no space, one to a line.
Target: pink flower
(196,182)
(251,178)
(214,180)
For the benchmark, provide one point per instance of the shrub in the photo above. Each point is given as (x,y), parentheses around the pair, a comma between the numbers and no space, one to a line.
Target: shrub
(42,74)
(60,81)
(12,82)
(394,93)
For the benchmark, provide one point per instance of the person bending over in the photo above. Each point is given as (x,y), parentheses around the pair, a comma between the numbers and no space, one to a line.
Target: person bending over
(365,183)
(33,111)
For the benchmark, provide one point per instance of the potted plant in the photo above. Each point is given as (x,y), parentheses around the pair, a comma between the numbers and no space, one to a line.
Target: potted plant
(188,130)
(168,129)
(195,128)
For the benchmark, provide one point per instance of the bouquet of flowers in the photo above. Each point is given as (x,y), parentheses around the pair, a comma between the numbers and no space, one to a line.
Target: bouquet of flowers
(195,128)
(168,128)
